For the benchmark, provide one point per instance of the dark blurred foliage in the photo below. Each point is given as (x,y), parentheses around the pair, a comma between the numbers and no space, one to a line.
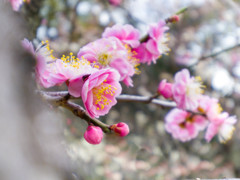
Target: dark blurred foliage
(148,152)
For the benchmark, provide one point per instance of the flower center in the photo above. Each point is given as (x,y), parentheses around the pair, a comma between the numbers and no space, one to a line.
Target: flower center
(45,50)
(104,59)
(103,94)
(189,119)
(74,62)
(132,59)
(162,44)
(195,87)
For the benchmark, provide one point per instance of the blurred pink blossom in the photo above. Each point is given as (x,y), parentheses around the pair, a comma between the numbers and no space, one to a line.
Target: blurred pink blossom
(115,2)
(183,125)
(186,90)
(93,134)
(125,33)
(186,59)
(121,129)
(209,106)
(16,4)
(156,44)
(223,125)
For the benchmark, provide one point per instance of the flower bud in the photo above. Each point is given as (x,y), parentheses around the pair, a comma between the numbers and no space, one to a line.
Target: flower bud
(121,129)
(173,19)
(93,134)
(165,89)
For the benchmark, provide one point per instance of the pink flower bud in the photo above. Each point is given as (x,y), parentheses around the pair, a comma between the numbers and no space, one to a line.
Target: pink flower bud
(165,89)
(173,19)
(93,135)
(121,129)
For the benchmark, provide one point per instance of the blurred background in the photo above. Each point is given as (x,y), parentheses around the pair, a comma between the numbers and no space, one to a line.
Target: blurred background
(40,141)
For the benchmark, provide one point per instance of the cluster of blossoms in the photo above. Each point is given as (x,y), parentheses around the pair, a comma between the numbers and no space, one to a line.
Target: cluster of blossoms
(100,66)
(195,111)
(95,74)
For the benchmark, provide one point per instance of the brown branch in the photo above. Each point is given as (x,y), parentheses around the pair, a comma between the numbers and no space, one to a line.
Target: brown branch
(62,99)
(80,112)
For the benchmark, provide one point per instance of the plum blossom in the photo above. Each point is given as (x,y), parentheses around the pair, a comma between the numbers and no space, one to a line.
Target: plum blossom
(186,90)
(165,89)
(28,46)
(16,4)
(115,2)
(51,71)
(121,129)
(209,106)
(223,125)
(45,63)
(93,134)
(110,52)
(183,125)
(155,45)
(125,33)
(97,87)
(99,91)
(186,59)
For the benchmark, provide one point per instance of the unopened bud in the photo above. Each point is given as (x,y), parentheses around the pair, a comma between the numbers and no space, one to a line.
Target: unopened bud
(165,89)
(173,19)
(93,134)
(121,129)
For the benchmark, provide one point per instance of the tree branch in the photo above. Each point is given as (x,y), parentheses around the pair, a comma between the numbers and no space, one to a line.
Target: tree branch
(145,100)
(55,96)
(220,52)
(62,99)
(80,112)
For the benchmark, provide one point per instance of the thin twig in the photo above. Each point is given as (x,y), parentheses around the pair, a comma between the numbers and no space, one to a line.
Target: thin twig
(219,52)
(145,100)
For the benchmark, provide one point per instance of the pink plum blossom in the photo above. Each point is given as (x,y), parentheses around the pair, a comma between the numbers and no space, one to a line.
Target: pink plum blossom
(45,66)
(110,52)
(93,134)
(186,90)
(183,125)
(121,129)
(125,33)
(155,45)
(165,89)
(223,125)
(98,91)
(186,59)
(173,19)
(209,106)
(51,71)
(16,4)
(28,46)
(115,2)
(69,68)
